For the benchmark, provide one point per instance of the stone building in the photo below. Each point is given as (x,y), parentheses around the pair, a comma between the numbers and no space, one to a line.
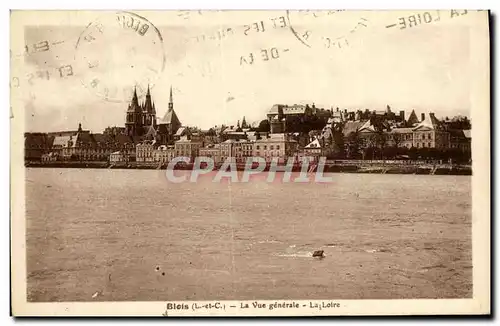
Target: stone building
(430,133)
(187,147)
(313,150)
(296,118)
(276,145)
(213,151)
(460,139)
(144,151)
(164,153)
(82,145)
(116,157)
(400,137)
(229,149)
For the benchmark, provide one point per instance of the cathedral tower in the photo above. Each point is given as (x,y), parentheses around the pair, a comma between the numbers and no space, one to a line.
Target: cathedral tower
(149,111)
(169,124)
(133,123)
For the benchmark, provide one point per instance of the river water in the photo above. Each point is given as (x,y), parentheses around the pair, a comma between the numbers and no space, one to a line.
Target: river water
(99,235)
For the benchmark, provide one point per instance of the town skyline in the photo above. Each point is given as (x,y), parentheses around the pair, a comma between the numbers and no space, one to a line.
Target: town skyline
(213,84)
(71,125)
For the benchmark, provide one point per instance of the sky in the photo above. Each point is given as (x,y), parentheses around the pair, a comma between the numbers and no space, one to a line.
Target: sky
(425,67)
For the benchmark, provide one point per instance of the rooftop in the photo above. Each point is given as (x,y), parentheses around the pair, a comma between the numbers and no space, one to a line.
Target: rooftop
(314,144)
(401,130)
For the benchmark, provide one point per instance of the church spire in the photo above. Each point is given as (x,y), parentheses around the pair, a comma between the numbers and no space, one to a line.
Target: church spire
(135,101)
(171,101)
(134,98)
(148,106)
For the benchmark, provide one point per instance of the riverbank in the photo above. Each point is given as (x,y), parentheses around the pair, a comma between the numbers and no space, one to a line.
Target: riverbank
(372,168)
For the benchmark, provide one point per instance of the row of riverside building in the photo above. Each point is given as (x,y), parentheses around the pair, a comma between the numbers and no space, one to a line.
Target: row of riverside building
(289,131)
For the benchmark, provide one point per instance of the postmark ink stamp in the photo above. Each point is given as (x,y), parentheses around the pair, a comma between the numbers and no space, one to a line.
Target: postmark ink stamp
(326,29)
(117,52)
(423,18)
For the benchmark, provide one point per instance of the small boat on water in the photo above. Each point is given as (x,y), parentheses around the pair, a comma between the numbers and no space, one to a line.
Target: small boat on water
(319,253)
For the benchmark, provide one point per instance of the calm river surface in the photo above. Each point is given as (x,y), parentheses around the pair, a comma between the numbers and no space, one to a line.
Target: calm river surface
(133,235)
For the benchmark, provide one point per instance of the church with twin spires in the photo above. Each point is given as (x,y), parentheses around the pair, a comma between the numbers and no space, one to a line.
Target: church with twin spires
(141,121)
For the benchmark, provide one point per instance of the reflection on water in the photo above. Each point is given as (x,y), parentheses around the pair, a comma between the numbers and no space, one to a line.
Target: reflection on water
(384,236)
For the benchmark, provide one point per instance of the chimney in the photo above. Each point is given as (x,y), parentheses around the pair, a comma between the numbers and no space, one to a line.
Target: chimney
(402,115)
(423,116)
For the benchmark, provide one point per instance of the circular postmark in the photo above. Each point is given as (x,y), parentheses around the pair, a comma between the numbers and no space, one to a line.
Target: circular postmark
(119,52)
(327,29)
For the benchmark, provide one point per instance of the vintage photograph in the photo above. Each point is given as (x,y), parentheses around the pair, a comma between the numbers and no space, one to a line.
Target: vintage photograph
(217,162)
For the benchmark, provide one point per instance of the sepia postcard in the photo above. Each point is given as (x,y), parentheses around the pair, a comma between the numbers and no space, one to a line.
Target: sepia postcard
(250,163)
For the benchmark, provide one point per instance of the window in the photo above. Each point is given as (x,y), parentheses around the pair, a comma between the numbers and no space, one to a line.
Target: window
(271,147)
(265,147)
(257,147)
(429,145)
(277,147)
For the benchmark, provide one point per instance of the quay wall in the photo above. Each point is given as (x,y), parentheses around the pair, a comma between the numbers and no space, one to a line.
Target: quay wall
(332,167)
